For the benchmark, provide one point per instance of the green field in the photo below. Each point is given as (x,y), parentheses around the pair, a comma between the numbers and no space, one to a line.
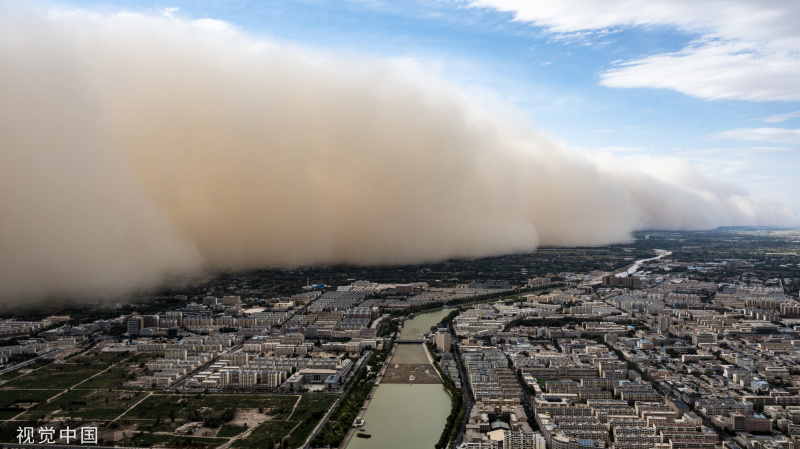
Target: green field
(266,435)
(89,389)
(10,397)
(228,431)
(63,375)
(87,404)
(16,373)
(146,439)
(309,412)
(112,378)
(53,377)
(161,405)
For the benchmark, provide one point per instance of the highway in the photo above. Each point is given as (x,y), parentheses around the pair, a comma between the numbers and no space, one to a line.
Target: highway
(28,362)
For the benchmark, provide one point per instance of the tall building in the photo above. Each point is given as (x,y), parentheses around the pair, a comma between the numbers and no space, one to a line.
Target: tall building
(176,315)
(443,341)
(620,281)
(704,338)
(231,300)
(150,320)
(523,440)
(176,354)
(135,324)
(664,321)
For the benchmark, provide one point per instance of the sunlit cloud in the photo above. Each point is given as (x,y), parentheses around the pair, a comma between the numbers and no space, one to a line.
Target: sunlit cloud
(746,49)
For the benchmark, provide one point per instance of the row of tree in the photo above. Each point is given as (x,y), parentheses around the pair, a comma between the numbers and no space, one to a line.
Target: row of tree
(457,410)
(334,431)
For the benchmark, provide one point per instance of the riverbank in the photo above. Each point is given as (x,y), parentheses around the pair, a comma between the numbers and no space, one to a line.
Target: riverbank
(414,328)
(403,416)
(410,406)
(349,435)
(351,405)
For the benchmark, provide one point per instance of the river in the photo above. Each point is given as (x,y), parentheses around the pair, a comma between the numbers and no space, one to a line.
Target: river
(403,415)
(413,328)
(636,265)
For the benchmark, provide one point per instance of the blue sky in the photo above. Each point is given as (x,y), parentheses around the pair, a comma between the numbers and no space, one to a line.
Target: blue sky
(710,82)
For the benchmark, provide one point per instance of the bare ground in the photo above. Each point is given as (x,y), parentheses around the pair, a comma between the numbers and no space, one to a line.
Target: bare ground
(400,375)
(249,416)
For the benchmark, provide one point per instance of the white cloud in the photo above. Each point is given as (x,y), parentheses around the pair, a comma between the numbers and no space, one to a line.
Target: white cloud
(215,26)
(715,71)
(781,135)
(749,49)
(777,118)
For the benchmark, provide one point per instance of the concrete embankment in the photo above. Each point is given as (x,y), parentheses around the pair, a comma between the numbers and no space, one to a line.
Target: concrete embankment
(409,409)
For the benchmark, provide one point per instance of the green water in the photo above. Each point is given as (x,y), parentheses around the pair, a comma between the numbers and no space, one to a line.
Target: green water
(413,328)
(402,416)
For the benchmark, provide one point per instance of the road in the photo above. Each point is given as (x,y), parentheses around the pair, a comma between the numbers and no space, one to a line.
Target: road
(28,362)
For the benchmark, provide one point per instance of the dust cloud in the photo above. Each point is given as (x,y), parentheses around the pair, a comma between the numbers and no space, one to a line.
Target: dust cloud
(136,148)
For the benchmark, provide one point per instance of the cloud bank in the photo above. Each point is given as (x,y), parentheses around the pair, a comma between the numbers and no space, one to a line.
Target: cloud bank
(746,49)
(134,148)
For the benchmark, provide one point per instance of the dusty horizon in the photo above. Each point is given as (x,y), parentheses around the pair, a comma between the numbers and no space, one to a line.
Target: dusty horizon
(138,148)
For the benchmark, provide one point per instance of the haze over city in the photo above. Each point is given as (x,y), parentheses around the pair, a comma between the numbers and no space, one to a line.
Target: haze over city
(143,142)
